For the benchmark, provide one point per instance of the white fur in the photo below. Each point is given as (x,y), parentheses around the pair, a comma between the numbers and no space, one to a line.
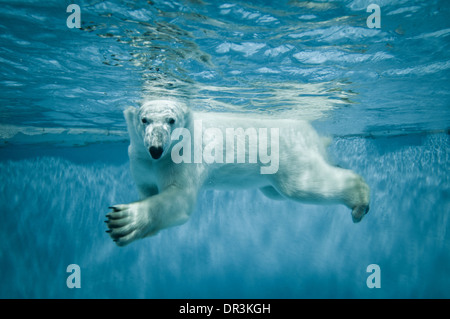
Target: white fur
(169,191)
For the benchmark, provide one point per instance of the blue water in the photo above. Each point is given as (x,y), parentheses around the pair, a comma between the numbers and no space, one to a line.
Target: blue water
(382,94)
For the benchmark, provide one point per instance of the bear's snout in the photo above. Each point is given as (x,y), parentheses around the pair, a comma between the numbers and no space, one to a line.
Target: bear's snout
(156,152)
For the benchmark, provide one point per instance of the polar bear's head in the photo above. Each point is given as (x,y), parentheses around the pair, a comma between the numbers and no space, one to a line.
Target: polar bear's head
(155,122)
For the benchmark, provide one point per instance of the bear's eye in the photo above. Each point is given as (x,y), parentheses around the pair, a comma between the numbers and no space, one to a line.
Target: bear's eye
(171,121)
(144,120)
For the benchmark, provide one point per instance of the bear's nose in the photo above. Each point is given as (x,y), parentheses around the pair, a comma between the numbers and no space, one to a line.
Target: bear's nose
(156,152)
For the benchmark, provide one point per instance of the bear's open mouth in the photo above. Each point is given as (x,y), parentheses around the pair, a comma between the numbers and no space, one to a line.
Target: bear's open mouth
(156,152)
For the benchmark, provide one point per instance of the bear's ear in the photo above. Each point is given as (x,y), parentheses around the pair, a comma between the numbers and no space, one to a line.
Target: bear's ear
(131,117)
(184,111)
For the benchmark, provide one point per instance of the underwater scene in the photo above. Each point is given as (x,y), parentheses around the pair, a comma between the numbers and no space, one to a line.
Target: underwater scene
(372,75)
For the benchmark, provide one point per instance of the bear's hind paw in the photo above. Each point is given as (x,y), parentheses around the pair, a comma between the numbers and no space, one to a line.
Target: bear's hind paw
(359,212)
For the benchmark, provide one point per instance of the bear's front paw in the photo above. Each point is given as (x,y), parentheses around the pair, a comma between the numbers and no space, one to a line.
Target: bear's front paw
(129,222)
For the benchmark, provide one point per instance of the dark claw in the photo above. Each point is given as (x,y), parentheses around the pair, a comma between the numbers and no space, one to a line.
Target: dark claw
(108,231)
(114,209)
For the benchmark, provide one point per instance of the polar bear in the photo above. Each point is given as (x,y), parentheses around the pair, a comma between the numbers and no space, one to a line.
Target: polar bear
(169,174)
